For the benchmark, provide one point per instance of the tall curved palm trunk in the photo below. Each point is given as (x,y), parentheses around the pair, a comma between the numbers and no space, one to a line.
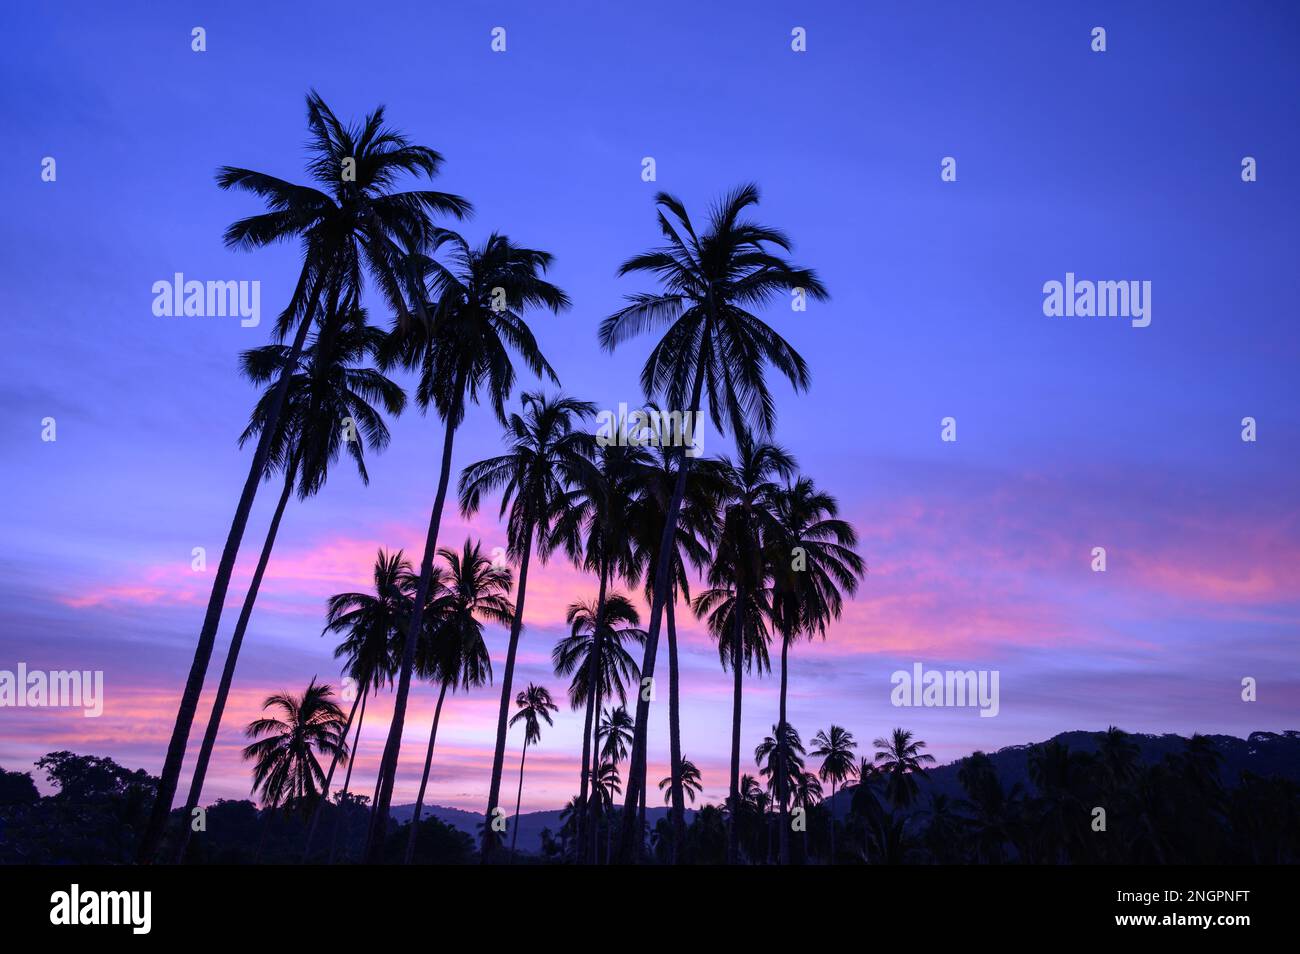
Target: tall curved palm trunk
(388,765)
(499,754)
(782,786)
(629,845)
(228,672)
(168,780)
(675,736)
(590,755)
(733,800)
(519,798)
(424,780)
(347,779)
(329,776)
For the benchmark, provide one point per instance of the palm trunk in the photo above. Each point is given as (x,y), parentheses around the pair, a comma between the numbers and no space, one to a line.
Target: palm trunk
(593,709)
(424,780)
(675,735)
(519,797)
(498,757)
(392,749)
(737,654)
(329,777)
(595,808)
(782,788)
(228,672)
(636,770)
(640,820)
(347,778)
(151,840)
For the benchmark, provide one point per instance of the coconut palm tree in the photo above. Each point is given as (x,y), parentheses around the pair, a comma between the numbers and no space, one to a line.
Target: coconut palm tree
(370,624)
(696,523)
(740,573)
(328,407)
(595,531)
(615,729)
(284,759)
(900,760)
(835,747)
(477,298)
(768,757)
(351,224)
(689,779)
(713,344)
(812,564)
(473,591)
(601,667)
(547,457)
(534,704)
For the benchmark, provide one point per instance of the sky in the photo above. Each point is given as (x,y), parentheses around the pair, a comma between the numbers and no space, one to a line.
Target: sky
(1072,432)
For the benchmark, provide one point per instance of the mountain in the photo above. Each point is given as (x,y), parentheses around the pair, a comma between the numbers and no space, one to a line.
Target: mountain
(1262,753)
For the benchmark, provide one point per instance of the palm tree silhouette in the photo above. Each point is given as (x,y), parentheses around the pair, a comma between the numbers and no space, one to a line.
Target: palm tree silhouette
(737,603)
(615,729)
(347,227)
(690,782)
(900,760)
(370,624)
(547,456)
(462,351)
(600,667)
(835,747)
(534,704)
(453,654)
(813,564)
(594,528)
(696,522)
(715,344)
(284,760)
(327,408)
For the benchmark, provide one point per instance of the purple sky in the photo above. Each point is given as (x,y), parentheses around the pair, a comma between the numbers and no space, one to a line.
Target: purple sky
(1072,432)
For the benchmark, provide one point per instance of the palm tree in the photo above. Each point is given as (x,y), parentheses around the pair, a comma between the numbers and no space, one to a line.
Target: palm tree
(615,728)
(595,531)
(835,748)
(454,654)
(601,667)
(547,456)
(713,341)
(739,574)
(534,704)
(348,226)
(284,753)
(900,760)
(813,564)
(328,407)
(768,757)
(690,782)
(370,624)
(462,351)
(696,522)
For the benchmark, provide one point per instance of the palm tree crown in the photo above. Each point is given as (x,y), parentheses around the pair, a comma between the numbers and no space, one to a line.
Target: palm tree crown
(284,755)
